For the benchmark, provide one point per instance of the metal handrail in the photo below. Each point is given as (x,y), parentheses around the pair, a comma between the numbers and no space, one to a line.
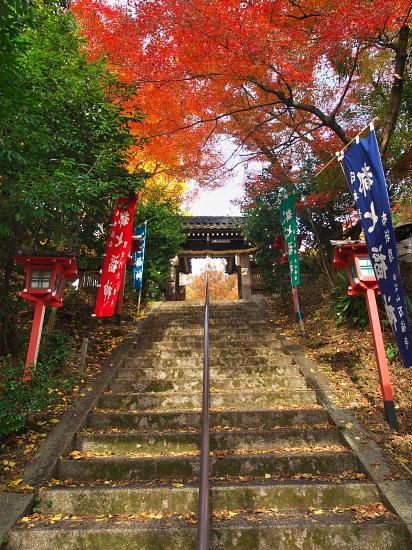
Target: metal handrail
(203,509)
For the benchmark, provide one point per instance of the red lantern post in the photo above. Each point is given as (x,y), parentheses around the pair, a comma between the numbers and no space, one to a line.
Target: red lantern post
(44,276)
(354,257)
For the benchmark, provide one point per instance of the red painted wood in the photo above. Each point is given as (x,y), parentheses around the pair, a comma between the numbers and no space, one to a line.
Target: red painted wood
(381,360)
(35,336)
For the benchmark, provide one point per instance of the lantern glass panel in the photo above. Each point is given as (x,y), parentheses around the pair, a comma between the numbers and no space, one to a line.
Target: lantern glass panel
(352,268)
(40,278)
(57,283)
(365,266)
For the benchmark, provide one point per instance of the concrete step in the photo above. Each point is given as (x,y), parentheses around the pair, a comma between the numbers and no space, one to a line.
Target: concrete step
(197,343)
(228,351)
(153,371)
(249,364)
(216,339)
(213,303)
(182,498)
(188,441)
(281,477)
(171,420)
(270,382)
(192,400)
(214,315)
(236,331)
(223,325)
(271,530)
(124,468)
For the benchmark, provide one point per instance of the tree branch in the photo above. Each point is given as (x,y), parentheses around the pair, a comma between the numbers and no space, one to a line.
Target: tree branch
(213,119)
(328,121)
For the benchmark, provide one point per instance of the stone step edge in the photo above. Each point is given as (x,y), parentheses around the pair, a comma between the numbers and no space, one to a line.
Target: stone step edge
(212,430)
(83,468)
(347,477)
(227,529)
(178,497)
(281,408)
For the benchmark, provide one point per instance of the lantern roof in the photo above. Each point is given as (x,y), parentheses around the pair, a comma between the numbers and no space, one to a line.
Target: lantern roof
(66,261)
(345,250)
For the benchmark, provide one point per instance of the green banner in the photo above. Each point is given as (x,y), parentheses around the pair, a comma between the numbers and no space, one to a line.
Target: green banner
(290,231)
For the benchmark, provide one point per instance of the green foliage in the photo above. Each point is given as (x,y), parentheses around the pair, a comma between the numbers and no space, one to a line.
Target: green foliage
(163,242)
(15,15)
(64,142)
(262,223)
(63,138)
(392,350)
(56,347)
(18,398)
(408,300)
(323,205)
(350,310)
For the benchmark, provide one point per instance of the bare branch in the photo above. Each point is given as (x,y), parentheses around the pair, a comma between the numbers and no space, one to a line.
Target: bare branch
(212,119)
(328,121)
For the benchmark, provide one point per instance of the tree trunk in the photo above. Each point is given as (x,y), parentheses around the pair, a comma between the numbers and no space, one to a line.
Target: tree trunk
(8,338)
(321,252)
(52,316)
(401,57)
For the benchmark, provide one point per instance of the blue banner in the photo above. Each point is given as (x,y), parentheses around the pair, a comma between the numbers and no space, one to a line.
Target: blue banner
(138,257)
(365,175)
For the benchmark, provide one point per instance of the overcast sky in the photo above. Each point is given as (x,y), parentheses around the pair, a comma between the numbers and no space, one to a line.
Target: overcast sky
(218,202)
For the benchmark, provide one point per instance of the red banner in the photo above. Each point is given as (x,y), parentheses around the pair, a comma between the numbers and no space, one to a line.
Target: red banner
(117,254)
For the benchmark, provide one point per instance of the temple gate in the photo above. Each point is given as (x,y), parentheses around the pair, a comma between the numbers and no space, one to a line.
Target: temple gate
(216,237)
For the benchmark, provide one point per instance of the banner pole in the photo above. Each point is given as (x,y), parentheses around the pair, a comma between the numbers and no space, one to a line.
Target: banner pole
(120,298)
(298,313)
(138,301)
(85,346)
(86,339)
(337,155)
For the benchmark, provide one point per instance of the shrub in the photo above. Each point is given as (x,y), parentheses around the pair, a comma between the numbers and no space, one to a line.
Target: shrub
(350,310)
(22,398)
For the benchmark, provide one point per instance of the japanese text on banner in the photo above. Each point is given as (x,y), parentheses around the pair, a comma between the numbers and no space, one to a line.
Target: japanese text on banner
(117,254)
(288,219)
(138,257)
(365,175)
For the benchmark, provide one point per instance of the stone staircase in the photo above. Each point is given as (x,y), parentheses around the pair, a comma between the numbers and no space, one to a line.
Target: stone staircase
(281,475)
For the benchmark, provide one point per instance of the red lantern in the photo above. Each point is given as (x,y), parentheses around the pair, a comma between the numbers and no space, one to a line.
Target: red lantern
(279,243)
(354,257)
(45,273)
(44,277)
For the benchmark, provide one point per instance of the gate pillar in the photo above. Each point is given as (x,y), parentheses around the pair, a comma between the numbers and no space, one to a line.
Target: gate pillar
(245,277)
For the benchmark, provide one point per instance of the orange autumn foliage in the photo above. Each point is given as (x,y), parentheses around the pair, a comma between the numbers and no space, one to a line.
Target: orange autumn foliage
(221,285)
(277,77)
